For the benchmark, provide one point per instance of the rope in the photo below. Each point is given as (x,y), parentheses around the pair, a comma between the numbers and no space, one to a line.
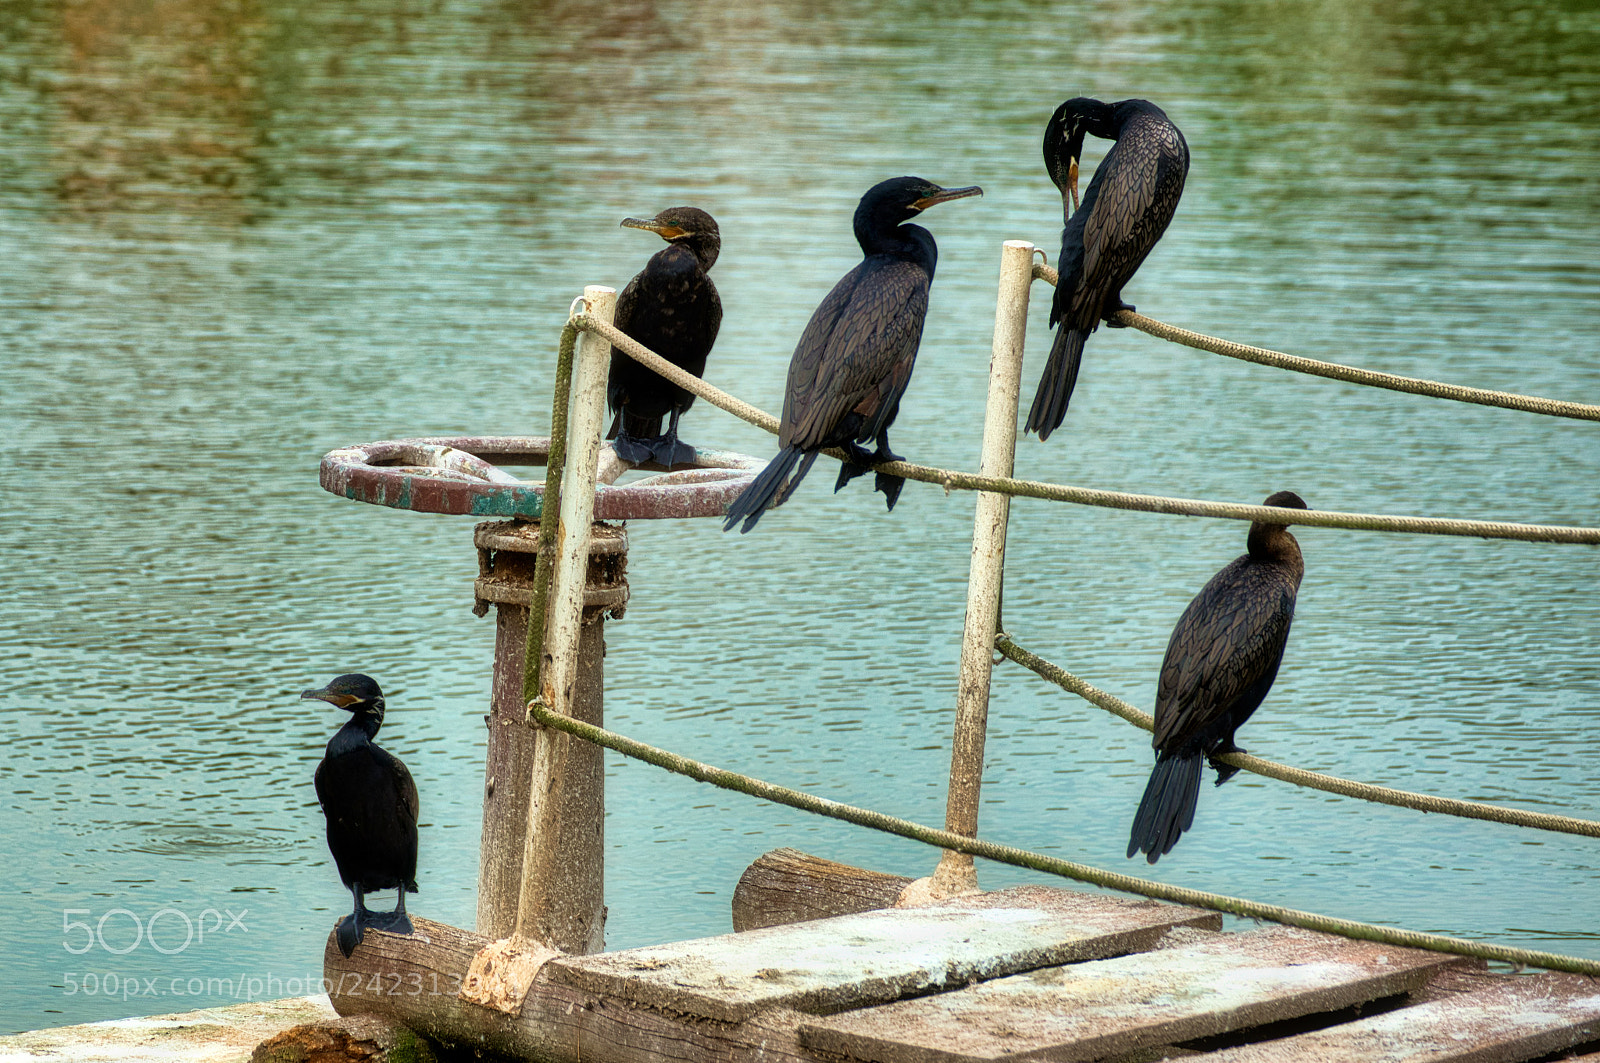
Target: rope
(1299,776)
(1005,854)
(1334,371)
(1085,496)
(555,469)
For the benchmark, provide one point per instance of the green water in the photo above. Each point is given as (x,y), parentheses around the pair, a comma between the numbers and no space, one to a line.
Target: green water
(237,235)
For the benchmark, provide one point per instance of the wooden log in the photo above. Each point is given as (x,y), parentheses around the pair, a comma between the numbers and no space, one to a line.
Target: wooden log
(414,980)
(789,886)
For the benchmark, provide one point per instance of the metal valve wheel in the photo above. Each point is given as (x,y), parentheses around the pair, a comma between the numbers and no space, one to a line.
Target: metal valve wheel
(466,475)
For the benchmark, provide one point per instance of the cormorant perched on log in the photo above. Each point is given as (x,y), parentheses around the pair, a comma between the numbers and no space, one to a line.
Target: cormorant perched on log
(1220,663)
(1129,203)
(671,307)
(854,359)
(370,801)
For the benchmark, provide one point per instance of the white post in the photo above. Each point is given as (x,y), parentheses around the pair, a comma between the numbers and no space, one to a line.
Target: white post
(585,423)
(955,874)
(559,909)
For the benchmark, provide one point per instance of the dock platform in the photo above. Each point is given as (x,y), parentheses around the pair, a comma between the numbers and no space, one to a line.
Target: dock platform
(1031,973)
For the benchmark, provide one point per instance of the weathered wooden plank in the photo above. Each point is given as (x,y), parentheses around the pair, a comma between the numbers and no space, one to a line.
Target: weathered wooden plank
(788,886)
(871,957)
(1203,984)
(413,979)
(1512,1021)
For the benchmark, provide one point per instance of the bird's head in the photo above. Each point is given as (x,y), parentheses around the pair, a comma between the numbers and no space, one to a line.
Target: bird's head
(1270,538)
(675,223)
(687,225)
(1063,143)
(355,693)
(1285,500)
(902,198)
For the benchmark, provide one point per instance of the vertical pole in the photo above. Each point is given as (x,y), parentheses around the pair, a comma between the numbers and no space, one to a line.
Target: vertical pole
(552,882)
(508,763)
(955,873)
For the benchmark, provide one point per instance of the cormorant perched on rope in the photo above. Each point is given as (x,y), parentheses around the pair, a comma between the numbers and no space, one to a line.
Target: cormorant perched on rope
(854,359)
(671,307)
(370,802)
(1129,203)
(1220,663)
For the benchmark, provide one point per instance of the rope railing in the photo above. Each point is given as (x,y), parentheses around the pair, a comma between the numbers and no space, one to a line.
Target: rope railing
(1300,776)
(954,841)
(952,480)
(1349,374)
(1005,854)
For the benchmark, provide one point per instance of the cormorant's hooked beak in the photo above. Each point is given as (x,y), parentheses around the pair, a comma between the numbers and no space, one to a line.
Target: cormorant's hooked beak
(661,229)
(338,701)
(944,195)
(1072,181)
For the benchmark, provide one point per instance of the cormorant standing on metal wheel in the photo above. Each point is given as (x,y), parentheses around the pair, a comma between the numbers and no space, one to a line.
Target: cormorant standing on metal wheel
(370,802)
(1220,663)
(1129,203)
(671,307)
(854,359)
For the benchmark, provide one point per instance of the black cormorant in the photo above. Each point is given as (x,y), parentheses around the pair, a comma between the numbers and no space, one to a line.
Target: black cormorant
(1220,663)
(1129,203)
(370,801)
(854,359)
(671,307)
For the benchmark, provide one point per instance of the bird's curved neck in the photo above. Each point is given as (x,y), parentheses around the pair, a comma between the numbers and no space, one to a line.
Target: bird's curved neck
(910,242)
(358,731)
(706,248)
(1272,542)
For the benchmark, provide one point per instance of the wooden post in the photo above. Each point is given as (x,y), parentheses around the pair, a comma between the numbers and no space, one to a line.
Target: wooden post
(548,911)
(559,907)
(506,562)
(955,874)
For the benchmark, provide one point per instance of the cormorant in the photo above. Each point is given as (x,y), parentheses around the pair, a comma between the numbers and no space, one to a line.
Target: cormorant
(854,359)
(370,801)
(671,307)
(1220,663)
(1129,203)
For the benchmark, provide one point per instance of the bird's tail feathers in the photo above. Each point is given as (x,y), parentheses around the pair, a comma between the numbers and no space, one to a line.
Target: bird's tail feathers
(769,488)
(1055,386)
(1167,809)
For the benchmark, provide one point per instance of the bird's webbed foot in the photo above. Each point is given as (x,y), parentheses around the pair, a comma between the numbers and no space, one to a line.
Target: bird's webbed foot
(669,451)
(395,922)
(888,483)
(858,463)
(347,935)
(633,451)
(1112,306)
(1224,771)
(890,486)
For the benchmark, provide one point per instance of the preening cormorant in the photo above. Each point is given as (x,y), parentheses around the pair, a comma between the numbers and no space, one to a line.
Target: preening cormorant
(854,359)
(1220,663)
(1129,203)
(370,802)
(671,307)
